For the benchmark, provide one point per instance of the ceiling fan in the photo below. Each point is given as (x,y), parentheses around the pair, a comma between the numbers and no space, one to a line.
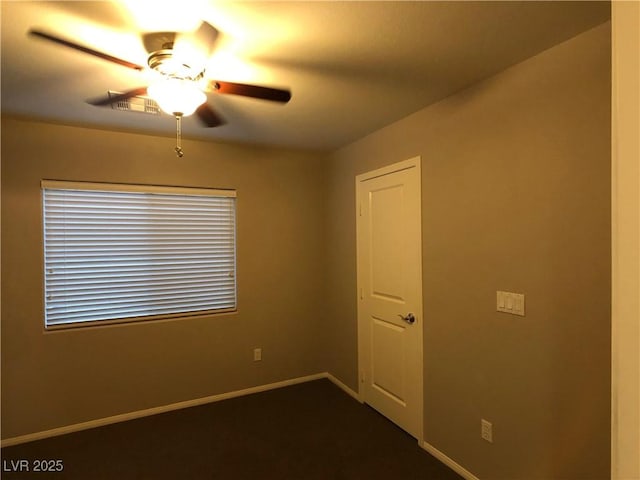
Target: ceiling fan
(179,83)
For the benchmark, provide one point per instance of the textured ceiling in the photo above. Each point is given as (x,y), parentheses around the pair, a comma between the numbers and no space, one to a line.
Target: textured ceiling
(352,67)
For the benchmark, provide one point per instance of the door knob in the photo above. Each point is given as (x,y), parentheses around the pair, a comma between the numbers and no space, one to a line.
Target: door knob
(410,318)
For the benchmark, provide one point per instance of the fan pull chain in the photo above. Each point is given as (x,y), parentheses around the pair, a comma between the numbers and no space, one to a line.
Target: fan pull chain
(178,148)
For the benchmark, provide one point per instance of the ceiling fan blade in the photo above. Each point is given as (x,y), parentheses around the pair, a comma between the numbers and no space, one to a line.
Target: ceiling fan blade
(254,91)
(109,99)
(194,48)
(82,48)
(207,116)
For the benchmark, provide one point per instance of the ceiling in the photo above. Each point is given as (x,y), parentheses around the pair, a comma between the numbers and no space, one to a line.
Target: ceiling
(352,67)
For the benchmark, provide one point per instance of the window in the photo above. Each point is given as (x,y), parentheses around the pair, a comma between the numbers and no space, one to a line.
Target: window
(123,252)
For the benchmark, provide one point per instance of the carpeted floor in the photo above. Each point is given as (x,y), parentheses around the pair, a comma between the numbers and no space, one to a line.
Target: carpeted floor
(307,431)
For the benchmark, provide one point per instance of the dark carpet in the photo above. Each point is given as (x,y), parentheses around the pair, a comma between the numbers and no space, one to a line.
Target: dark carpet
(308,431)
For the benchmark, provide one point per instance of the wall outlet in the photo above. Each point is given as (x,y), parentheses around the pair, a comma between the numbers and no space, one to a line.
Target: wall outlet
(486,430)
(257,354)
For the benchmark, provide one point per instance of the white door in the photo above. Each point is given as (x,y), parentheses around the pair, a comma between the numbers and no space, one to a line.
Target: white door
(390,292)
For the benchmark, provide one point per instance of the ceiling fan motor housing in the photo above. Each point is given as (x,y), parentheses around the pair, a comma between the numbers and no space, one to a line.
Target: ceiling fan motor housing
(164,62)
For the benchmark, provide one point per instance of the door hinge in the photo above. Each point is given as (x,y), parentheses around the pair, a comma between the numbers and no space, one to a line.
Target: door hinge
(361,294)
(360,208)
(363,377)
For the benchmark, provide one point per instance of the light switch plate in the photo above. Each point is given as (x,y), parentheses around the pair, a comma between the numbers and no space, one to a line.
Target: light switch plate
(509,302)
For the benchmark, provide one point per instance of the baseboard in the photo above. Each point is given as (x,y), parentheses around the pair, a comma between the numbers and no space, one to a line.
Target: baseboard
(459,469)
(341,385)
(54,432)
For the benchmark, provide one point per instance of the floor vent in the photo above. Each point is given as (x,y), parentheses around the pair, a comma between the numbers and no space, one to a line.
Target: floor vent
(136,104)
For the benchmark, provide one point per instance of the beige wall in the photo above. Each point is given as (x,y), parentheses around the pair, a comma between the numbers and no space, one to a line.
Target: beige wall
(516,197)
(61,378)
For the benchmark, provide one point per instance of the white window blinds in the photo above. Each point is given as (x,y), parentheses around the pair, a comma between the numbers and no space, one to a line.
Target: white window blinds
(114,252)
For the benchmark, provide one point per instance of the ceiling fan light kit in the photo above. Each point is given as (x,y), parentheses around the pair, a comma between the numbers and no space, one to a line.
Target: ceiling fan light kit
(181,85)
(177,96)
(177,90)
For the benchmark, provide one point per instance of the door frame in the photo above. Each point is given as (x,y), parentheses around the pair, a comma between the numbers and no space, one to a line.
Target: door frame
(414,164)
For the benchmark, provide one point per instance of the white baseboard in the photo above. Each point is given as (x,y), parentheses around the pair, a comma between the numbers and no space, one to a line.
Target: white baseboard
(341,385)
(459,469)
(54,432)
